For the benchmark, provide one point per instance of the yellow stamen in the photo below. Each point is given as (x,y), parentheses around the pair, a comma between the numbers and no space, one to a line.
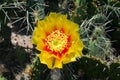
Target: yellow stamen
(57,41)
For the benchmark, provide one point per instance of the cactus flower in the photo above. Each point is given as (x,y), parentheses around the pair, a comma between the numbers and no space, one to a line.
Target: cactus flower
(58,40)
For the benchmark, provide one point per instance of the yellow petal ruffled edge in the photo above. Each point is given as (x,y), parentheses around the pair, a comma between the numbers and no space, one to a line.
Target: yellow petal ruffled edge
(47,59)
(57,21)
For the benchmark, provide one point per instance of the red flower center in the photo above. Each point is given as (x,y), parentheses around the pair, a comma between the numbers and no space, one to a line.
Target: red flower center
(57,43)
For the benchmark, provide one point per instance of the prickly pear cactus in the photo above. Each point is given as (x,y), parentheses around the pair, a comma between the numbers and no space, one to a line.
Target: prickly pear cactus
(94,36)
(98,62)
(114,71)
(85,9)
(98,45)
(19,17)
(36,7)
(98,70)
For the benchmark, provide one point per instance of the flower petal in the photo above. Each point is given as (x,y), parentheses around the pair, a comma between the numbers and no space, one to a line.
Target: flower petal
(58,40)
(45,58)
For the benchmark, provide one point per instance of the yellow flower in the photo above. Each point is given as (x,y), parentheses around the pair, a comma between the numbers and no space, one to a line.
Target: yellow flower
(58,40)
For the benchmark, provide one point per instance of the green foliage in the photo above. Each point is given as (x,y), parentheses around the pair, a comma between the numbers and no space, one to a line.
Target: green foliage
(36,6)
(114,71)
(94,68)
(2,78)
(52,6)
(85,9)
(112,11)
(94,36)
